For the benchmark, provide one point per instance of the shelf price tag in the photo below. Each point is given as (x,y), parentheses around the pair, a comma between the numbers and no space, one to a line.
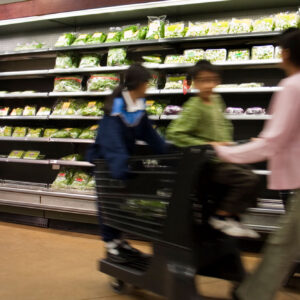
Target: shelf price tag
(55,167)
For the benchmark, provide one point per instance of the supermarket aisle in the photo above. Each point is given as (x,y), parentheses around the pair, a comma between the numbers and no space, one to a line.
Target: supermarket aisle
(54,265)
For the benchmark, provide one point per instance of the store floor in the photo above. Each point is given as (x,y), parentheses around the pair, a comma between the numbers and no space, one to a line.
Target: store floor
(55,265)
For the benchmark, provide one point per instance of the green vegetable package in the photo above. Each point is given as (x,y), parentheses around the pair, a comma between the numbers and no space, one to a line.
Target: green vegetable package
(65,40)
(81,39)
(66,61)
(102,82)
(173,30)
(96,38)
(90,61)
(68,84)
(156,28)
(116,57)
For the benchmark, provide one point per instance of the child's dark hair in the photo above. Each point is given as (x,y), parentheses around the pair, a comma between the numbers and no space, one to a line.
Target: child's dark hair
(201,66)
(290,39)
(133,78)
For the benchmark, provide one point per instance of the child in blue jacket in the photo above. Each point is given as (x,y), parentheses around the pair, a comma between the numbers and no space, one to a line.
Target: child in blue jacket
(125,121)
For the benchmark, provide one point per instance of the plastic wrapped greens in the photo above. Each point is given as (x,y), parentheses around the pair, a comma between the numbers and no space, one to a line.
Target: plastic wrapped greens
(133,33)
(73,157)
(238,54)
(91,183)
(153,82)
(35,132)
(193,55)
(67,133)
(89,133)
(216,55)
(153,108)
(174,30)
(20,132)
(174,59)
(6,131)
(48,133)
(263,52)
(65,40)
(4,111)
(116,57)
(240,26)
(31,155)
(219,27)
(68,84)
(63,108)
(79,180)
(152,59)
(44,111)
(156,28)
(278,52)
(63,179)
(66,61)
(96,38)
(93,108)
(286,20)
(29,46)
(29,111)
(16,154)
(174,82)
(263,24)
(198,29)
(90,61)
(102,82)
(17,111)
(81,39)
(114,35)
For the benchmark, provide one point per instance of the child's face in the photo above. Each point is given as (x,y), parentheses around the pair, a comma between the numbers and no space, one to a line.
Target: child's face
(142,89)
(206,81)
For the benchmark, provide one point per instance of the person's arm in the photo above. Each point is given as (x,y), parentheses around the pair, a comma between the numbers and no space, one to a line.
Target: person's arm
(276,134)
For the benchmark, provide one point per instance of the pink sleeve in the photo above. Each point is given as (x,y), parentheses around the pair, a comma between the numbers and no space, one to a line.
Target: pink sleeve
(277,132)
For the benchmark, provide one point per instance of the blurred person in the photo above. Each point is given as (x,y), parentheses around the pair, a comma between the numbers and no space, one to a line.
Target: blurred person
(125,121)
(201,122)
(279,143)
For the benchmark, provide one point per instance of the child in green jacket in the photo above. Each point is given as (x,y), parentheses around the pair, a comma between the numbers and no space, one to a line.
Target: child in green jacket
(202,121)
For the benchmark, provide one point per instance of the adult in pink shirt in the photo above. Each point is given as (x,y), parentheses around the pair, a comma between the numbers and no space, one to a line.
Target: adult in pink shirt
(279,143)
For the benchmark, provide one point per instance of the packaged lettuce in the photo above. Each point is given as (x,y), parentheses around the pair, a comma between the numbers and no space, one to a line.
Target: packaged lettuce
(74,132)
(68,84)
(81,39)
(6,131)
(278,52)
(240,26)
(73,157)
(66,61)
(20,132)
(61,134)
(114,35)
(173,30)
(174,59)
(197,29)
(130,33)
(16,154)
(96,38)
(219,27)
(102,82)
(174,82)
(63,108)
(153,108)
(29,46)
(4,111)
(116,57)
(48,132)
(34,132)
(65,40)
(193,55)
(152,59)
(63,179)
(44,111)
(17,111)
(31,155)
(216,55)
(263,52)
(29,111)
(89,133)
(79,180)
(93,108)
(263,24)
(284,21)
(156,28)
(153,82)
(238,54)
(90,61)
(91,183)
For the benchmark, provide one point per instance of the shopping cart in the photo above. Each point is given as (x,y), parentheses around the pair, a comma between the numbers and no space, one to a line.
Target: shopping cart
(157,204)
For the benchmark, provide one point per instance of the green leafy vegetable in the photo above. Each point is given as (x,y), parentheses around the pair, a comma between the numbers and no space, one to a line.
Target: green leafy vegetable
(238,54)
(240,26)
(174,59)
(153,108)
(91,183)
(44,111)
(65,40)
(90,61)
(263,24)
(4,111)
(73,157)
(102,82)
(82,39)
(114,35)
(96,38)
(49,132)
(17,111)
(156,28)
(16,154)
(216,55)
(174,30)
(29,46)
(29,111)
(219,27)
(116,57)
(153,59)
(66,61)
(263,52)
(68,84)
(193,55)
(63,179)
(79,180)
(20,132)
(174,82)
(93,108)
(31,155)
(197,29)
(89,133)
(6,131)
(284,21)
(34,133)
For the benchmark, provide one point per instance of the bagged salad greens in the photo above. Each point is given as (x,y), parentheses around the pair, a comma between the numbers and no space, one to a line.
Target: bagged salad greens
(263,52)
(173,30)
(29,111)
(240,26)
(44,111)
(6,131)
(66,61)
(91,183)
(102,82)
(174,59)
(29,46)
(263,24)
(63,108)
(116,57)
(154,108)
(67,133)
(96,38)
(68,84)
(216,55)
(152,59)
(219,27)
(93,108)
(284,21)
(238,54)
(48,132)
(79,180)
(198,29)
(114,35)
(16,154)
(193,55)
(89,133)
(278,52)
(81,39)
(20,132)
(153,82)
(4,111)
(31,155)
(63,179)
(35,132)
(73,157)
(174,82)
(17,111)
(156,28)
(65,40)
(90,61)
(133,33)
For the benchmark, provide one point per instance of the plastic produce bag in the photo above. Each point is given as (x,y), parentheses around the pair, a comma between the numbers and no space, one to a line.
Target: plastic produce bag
(68,84)
(29,111)
(174,82)
(114,35)
(102,82)
(174,30)
(174,59)
(62,134)
(93,108)
(63,179)
(216,55)
(63,108)
(17,111)
(238,54)
(81,39)
(193,55)
(16,154)
(4,111)
(34,132)
(20,132)
(198,29)
(44,111)
(263,52)
(6,131)
(29,46)
(65,40)
(264,24)
(48,133)
(96,38)
(116,57)
(153,82)
(219,27)
(153,108)
(240,26)
(132,33)
(66,61)
(156,27)
(79,180)
(91,183)
(31,155)
(90,61)
(152,59)
(278,52)
(284,21)
(73,157)
(89,133)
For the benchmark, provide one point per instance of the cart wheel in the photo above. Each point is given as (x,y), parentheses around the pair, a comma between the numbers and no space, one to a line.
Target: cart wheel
(118,286)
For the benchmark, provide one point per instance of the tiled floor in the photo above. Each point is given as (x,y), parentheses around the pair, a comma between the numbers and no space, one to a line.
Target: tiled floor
(54,265)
